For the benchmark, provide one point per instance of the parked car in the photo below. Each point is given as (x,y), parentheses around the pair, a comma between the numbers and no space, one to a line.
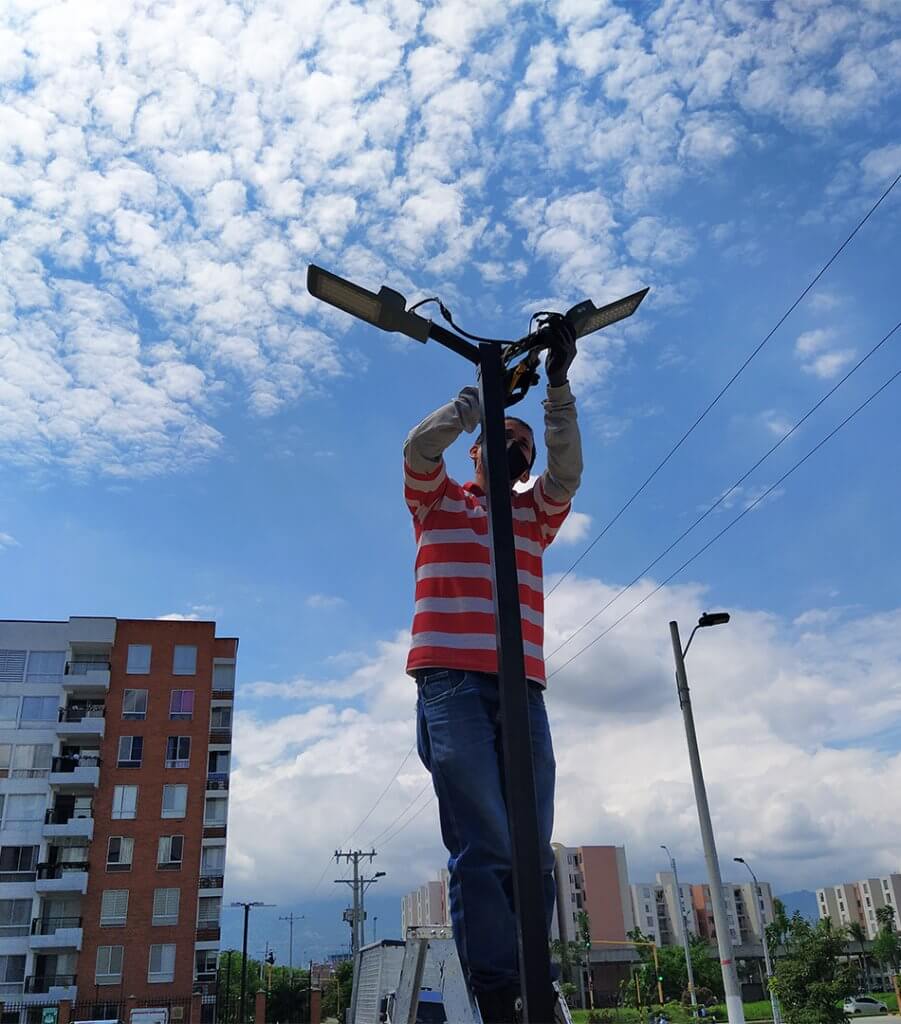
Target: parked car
(864,1006)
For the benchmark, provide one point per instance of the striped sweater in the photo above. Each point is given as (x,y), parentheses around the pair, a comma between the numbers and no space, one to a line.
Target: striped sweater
(453,620)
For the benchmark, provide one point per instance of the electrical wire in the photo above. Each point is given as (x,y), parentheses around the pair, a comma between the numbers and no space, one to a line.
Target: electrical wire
(731,523)
(388,828)
(409,821)
(726,494)
(726,386)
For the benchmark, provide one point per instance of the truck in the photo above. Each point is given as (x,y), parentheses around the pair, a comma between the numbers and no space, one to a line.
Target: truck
(417,981)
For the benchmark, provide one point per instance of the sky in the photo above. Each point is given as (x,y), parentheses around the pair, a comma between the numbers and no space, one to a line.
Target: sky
(185,432)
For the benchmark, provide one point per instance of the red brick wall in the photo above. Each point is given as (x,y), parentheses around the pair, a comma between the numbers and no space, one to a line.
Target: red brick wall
(139,932)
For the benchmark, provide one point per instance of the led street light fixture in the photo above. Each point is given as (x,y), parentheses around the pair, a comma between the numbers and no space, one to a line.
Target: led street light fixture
(586,318)
(387,310)
(713,619)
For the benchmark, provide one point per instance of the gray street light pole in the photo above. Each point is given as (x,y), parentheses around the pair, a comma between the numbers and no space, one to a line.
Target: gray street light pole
(734,1008)
(758,895)
(683,924)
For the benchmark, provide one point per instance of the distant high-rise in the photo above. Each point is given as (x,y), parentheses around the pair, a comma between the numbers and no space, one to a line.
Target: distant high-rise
(115,741)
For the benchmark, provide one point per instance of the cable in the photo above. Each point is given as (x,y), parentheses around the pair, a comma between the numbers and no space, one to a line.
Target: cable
(731,523)
(726,494)
(394,835)
(727,385)
(400,815)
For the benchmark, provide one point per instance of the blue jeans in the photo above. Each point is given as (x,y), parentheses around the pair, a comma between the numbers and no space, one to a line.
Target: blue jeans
(459,739)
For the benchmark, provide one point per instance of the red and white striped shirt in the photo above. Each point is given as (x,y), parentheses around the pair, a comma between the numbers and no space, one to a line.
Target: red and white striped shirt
(453,620)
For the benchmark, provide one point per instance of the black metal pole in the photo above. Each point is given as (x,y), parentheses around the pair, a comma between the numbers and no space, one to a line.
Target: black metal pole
(228,985)
(522,815)
(242,1019)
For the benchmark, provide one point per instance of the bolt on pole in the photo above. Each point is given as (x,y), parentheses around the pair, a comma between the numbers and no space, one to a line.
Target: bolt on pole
(734,1007)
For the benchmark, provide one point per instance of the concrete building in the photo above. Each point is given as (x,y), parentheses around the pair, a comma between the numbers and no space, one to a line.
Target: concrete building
(115,740)
(428,904)
(857,902)
(593,879)
(656,909)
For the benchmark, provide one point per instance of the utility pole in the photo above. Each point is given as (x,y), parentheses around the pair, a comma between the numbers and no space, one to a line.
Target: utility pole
(734,1007)
(354,857)
(364,885)
(758,895)
(686,944)
(247,906)
(290,918)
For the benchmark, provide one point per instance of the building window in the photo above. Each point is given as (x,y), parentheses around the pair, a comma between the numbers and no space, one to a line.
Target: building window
(212,860)
(15,918)
(223,677)
(114,907)
(175,801)
(165,906)
(109,965)
(12,975)
(221,718)
(184,660)
(206,961)
(46,666)
(215,811)
(12,666)
(217,763)
(138,659)
(40,709)
(125,802)
(181,704)
(131,751)
(208,908)
(31,761)
(9,709)
(170,852)
(178,752)
(162,963)
(119,853)
(17,860)
(134,705)
(23,809)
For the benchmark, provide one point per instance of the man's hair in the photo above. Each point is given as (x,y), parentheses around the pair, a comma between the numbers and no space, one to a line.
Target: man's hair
(528,427)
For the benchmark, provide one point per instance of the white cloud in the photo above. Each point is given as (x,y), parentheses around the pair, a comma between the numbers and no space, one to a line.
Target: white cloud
(7,541)
(197,613)
(575,529)
(325,602)
(788,694)
(818,356)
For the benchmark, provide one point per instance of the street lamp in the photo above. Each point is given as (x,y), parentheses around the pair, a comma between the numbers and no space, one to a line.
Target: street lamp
(364,885)
(758,895)
(686,945)
(246,905)
(387,310)
(734,1007)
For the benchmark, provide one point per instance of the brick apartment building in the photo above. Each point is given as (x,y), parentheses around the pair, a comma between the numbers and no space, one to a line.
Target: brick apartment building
(115,739)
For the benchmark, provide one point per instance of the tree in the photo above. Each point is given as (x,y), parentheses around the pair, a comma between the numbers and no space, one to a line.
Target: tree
(336,997)
(856,932)
(810,981)
(671,960)
(777,930)
(886,945)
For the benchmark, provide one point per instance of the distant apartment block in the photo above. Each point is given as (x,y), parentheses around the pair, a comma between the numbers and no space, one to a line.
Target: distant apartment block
(593,879)
(857,902)
(426,905)
(655,906)
(115,740)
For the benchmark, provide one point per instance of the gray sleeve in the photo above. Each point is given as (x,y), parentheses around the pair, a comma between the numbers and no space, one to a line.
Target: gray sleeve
(427,442)
(564,445)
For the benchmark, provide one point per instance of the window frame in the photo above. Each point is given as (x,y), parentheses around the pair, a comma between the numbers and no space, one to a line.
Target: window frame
(183,670)
(120,865)
(135,716)
(181,715)
(132,761)
(109,977)
(134,668)
(176,815)
(116,921)
(119,792)
(178,761)
(170,864)
(168,920)
(161,977)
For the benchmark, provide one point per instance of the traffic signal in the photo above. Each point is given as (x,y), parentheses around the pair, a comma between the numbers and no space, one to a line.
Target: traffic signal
(270,958)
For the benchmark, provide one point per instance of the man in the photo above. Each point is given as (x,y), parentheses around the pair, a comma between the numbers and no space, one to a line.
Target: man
(453,657)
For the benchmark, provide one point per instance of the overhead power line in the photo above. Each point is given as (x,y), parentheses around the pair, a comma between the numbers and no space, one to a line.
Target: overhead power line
(388,828)
(409,821)
(726,386)
(726,494)
(730,524)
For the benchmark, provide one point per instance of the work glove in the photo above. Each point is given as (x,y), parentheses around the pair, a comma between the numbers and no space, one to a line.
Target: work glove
(561,351)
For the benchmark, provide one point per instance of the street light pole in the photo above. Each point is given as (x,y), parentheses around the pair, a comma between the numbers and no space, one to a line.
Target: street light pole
(734,1008)
(247,907)
(686,944)
(758,894)
(388,311)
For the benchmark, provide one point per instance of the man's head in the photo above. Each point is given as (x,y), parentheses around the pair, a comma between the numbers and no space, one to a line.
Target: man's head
(518,432)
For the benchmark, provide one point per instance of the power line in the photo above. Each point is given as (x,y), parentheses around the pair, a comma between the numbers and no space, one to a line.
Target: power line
(726,386)
(388,828)
(730,524)
(726,494)
(409,821)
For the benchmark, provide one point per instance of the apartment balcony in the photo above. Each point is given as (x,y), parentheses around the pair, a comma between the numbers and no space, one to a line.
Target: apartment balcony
(86,677)
(76,722)
(216,780)
(59,986)
(48,933)
(203,977)
(223,694)
(220,736)
(211,881)
(65,825)
(67,773)
(207,933)
(71,877)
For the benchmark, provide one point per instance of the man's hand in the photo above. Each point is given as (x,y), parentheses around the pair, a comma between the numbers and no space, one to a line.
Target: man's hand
(561,351)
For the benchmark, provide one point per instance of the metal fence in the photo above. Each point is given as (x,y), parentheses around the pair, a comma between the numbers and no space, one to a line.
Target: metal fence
(100,1009)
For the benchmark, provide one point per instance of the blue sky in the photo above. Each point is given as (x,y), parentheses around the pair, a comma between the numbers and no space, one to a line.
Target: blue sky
(185,432)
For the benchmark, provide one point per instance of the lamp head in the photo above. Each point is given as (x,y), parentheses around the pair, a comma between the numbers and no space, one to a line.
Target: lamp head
(739,860)
(713,619)
(386,310)
(586,318)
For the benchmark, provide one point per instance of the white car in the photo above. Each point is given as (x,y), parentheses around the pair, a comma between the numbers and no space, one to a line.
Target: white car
(864,1006)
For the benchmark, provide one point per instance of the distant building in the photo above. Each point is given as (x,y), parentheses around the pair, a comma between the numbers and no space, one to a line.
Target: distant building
(426,905)
(656,909)
(857,902)
(594,879)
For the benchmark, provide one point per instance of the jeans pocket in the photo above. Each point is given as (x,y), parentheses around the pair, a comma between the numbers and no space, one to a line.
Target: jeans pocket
(438,684)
